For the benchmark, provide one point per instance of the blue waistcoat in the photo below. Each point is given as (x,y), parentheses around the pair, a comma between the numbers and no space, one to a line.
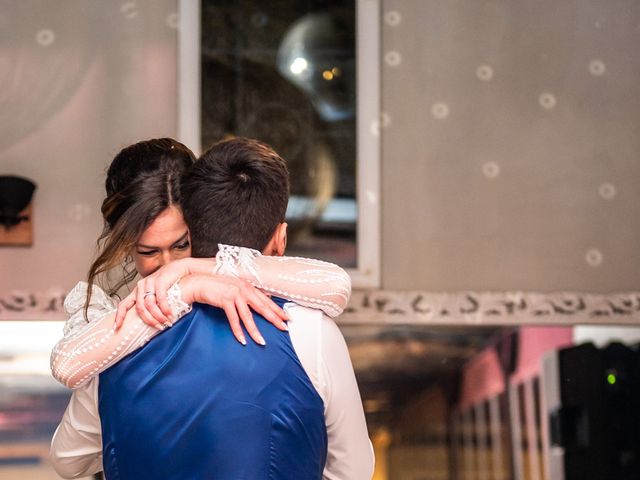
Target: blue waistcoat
(196,404)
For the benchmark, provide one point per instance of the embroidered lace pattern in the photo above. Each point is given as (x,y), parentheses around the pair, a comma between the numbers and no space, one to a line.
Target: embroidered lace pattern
(311,283)
(89,348)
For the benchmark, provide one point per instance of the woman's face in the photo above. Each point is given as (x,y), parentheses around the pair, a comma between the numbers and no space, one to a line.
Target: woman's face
(165,240)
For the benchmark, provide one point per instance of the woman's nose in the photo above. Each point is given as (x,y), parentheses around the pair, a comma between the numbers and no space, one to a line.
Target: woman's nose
(165,258)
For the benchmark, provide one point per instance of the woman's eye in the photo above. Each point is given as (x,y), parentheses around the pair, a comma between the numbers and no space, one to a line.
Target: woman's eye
(182,246)
(147,253)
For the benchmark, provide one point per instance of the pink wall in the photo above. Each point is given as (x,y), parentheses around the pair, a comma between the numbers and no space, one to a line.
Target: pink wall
(482,377)
(533,342)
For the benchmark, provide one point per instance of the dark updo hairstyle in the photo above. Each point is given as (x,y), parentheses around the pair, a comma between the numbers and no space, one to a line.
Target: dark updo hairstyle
(143,180)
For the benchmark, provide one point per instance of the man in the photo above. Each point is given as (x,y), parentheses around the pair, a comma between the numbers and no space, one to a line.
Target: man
(194,403)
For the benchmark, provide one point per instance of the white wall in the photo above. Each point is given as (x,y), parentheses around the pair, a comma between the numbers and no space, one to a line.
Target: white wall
(77,84)
(489,185)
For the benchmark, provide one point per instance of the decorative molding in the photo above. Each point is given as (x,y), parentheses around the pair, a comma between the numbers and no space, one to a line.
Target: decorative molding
(417,307)
(21,305)
(505,308)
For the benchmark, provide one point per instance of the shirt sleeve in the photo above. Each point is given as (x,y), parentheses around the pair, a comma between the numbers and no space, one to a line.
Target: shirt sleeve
(323,353)
(76,447)
(350,454)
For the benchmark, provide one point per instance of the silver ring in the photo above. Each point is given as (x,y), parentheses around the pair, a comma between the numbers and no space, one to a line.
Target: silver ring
(146,294)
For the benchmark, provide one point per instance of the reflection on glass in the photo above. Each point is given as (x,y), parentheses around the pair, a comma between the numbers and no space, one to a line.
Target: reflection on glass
(541,403)
(284,72)
(490,403)
(31,401)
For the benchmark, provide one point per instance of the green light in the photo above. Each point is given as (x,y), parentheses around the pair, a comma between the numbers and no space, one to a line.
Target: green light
(611,378)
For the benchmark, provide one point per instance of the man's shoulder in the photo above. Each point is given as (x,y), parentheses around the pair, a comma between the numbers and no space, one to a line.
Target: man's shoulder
(300,313)
(205,310)
(311,319)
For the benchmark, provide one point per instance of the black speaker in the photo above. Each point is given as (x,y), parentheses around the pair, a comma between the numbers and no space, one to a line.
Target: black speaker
(594,421)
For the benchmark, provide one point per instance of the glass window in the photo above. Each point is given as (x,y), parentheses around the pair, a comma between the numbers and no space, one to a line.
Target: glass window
(287,72)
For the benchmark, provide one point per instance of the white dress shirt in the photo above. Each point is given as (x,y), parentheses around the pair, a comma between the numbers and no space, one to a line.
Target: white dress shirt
(76,448)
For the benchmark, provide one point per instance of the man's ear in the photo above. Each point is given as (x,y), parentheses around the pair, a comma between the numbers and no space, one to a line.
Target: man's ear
(280,239)
(278,243)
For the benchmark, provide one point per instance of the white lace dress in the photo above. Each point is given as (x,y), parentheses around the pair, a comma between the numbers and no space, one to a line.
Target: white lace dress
(90,347)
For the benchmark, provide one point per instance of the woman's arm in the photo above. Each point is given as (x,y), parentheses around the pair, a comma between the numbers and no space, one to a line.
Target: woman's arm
(82,335)
(308,282)
(90,348)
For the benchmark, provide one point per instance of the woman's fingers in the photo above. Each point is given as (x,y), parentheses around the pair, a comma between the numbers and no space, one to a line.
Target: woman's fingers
(232,315)
(150,300)
(123,307)
(163,280)
(140,293)
(147,318)
(237,297)
(162,286)
(144,291)
(269,309)
(249,323)
(152,308)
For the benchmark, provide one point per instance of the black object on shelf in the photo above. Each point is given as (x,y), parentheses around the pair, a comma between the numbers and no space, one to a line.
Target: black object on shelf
(597,423)
(15,196)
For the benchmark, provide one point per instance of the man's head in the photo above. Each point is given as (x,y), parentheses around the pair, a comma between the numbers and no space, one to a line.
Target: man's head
(236,193)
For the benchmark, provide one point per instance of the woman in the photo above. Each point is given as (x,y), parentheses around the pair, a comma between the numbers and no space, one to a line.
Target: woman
(144,231)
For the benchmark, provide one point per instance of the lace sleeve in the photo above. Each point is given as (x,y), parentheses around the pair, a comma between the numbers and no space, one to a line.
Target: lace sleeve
(89,348)
(307,282)
(100,305)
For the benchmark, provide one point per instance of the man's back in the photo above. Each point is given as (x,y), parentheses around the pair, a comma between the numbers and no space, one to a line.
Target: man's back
(196,404)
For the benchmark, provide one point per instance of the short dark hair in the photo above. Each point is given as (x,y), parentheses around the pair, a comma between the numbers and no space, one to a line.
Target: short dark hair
(236,193)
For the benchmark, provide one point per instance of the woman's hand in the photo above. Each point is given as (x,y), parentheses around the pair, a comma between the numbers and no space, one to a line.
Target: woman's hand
(150,294)
(233,295)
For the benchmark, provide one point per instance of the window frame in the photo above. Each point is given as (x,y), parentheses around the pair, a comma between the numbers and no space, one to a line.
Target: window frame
(368,147)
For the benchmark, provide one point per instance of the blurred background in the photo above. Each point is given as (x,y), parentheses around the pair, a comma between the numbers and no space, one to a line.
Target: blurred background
(490,204)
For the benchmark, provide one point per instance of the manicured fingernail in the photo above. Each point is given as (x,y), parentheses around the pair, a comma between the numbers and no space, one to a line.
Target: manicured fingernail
(160,327)
(261,340)
(243,341)
(167,324)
